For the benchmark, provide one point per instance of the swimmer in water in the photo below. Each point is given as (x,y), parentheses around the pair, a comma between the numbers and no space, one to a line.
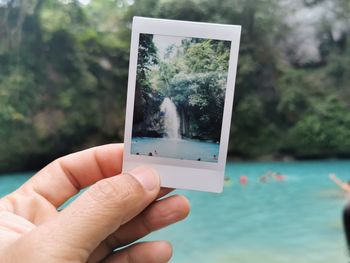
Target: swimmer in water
(227,182)
(345,186)
(266,177)
(243,180)
(263,179)
(279,177)
(276,176)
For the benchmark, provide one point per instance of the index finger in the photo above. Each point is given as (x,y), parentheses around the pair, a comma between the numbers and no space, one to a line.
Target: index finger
(66,176)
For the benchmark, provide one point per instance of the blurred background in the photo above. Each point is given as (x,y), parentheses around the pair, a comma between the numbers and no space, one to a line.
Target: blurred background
(63,85)
(64,70)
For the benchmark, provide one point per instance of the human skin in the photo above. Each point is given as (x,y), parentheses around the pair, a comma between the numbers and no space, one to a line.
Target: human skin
(115,211)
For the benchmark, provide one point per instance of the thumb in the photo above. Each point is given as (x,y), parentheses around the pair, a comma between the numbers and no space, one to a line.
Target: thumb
(99,211)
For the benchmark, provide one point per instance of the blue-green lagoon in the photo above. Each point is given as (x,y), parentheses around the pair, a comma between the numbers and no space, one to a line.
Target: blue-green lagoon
(295,221)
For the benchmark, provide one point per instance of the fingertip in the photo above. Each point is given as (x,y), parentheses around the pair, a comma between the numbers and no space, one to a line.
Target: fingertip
(147,177)
(165,250)
(162,251)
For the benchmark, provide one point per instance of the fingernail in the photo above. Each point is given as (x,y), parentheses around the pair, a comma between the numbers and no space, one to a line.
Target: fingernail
(147,177)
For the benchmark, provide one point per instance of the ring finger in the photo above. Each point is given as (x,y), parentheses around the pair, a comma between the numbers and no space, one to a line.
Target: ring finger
(151,252)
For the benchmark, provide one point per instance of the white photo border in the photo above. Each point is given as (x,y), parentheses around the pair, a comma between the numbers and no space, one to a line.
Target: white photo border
(176,173)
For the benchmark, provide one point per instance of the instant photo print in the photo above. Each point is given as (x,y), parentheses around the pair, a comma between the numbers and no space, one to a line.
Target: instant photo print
(179,103)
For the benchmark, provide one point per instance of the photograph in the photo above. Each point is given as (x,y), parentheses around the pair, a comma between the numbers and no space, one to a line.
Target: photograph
(179,97)
(98,97)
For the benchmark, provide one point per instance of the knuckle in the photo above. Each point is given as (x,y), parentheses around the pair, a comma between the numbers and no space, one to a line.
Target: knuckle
(128,190)
(102,190)
(113,191)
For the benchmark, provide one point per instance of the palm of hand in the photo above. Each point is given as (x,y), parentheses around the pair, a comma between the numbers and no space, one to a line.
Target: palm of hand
(20,214)
(32,228)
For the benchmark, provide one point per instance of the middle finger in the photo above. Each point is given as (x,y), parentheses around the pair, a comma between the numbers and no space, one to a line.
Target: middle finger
(158,215)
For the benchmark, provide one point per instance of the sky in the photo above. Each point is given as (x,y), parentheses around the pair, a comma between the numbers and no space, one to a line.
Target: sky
(83,2)
(163,42)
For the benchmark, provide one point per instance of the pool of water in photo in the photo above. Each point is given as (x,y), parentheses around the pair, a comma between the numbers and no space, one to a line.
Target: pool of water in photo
(298,220)
(186,149)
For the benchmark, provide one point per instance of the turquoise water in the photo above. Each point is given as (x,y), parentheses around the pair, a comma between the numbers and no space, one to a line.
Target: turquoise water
(297,221)
(9,182)
(176,148)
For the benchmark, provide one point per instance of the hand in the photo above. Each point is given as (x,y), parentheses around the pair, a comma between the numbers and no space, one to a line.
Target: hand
(115,211)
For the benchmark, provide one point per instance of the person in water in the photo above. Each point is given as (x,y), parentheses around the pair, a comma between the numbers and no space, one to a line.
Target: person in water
(266,177)
(243,180)
(345,186)
(118,209)
(227,181)
(263,179)
(273,175)
(278,177)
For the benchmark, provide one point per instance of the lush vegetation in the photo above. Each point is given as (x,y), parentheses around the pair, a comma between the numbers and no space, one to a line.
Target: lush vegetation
(193,74)
(64,66)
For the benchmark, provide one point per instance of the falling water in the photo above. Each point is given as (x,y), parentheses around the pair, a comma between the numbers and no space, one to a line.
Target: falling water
(171,119)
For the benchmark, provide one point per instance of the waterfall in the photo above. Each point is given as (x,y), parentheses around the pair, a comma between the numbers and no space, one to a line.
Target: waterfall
(171,119)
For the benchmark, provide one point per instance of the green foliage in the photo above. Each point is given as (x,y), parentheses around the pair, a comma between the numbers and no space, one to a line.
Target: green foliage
(325,129)
(200,99)
(64,66)
(193,75)
(147,57)
(147,100)
(208,56)
(61,87)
